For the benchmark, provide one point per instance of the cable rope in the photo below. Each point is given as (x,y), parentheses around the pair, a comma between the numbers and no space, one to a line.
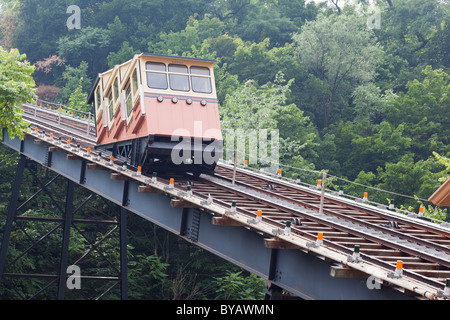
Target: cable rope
(349,181)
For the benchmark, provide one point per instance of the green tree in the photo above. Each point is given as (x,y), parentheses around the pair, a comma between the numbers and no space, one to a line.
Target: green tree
(16,88)
(387,144)
(266,22)
(147,274)
(370,103)
(70,80)
(254,107)
(235,286)
(342,53)
(196,31)
(417,32)
(78,100)
(424,111)
(125,53)
(410,178)
(38,24)
(445,162)
(87,44)
(259,62)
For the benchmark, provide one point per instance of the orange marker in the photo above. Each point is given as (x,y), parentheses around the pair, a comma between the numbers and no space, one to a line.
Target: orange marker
(319,239)
(421,210)
(365,197)
(171,184)
(258,216)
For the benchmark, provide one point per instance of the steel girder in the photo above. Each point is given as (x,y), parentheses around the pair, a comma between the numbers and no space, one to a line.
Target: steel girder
(66,222)
(298,272)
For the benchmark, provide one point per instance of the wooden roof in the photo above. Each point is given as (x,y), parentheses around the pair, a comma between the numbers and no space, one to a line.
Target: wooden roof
(441,197)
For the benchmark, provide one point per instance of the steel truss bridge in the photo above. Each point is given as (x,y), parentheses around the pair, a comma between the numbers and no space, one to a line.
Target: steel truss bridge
(310,243)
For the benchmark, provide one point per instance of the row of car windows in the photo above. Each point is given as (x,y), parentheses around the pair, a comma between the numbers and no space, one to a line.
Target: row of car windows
(131,89)
(179,77)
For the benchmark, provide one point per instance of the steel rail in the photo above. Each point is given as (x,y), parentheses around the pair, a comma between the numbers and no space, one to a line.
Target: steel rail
(335,224)
(341,201)
(360,220)
(284,211)
(72,133)
(296,191)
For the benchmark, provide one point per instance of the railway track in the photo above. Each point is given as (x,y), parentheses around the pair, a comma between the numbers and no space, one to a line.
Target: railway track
(383,238)
(61,125)
(380,221)
(423,248)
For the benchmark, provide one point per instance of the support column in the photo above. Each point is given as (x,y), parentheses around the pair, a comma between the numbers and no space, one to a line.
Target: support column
(123,254)
(273,292)
(11,211)
(123,243)
(68,215)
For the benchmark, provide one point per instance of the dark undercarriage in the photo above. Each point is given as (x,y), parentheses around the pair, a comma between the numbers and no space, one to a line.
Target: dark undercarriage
(163,155)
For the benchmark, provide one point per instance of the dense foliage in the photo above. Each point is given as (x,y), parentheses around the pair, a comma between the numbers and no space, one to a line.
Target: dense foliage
(357,88)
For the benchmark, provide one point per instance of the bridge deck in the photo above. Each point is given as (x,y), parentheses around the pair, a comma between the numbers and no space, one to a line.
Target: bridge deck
(287,261)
